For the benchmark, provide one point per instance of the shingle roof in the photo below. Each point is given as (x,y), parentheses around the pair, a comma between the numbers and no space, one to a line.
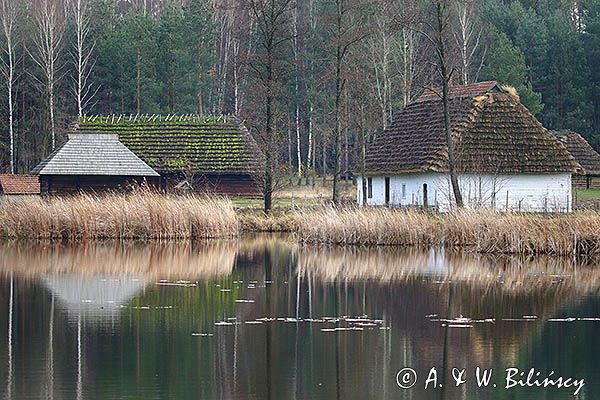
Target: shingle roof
(19,184)
(494,133)
(475,89)
(209,145)
(91,154)
(581,150)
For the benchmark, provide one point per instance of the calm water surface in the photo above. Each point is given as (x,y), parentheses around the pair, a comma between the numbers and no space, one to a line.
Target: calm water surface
(262,318)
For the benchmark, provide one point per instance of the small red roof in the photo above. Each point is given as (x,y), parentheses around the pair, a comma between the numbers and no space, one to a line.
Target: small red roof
(19,184)
(472,90)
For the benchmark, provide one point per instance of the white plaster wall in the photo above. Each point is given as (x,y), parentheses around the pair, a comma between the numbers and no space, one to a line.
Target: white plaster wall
(524,192)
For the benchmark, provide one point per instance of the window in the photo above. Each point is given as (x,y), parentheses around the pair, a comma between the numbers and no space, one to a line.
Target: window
(403,190)
(369,188)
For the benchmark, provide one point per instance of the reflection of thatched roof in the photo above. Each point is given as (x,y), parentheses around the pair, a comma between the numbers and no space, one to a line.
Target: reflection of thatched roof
(581,150)
(494,133)
(215,145)
(510,274)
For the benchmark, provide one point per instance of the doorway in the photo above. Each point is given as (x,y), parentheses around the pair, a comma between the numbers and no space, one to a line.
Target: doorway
(425,199)
(387,190)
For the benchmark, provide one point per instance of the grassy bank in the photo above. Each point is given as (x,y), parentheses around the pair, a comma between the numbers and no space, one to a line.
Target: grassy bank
(139,215)
(480,231)
(146,215)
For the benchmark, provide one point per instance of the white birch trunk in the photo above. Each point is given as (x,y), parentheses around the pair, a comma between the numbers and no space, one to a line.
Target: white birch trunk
(8,16)
(48,42)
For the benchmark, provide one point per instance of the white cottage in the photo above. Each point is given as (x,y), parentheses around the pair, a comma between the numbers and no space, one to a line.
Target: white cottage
(505,158)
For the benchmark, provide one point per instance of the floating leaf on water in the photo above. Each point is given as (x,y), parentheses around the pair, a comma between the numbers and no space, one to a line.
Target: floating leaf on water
(457,325)
(266,319)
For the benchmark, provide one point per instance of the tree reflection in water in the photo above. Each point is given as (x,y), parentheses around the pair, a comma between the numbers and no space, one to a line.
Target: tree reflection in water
(115,320)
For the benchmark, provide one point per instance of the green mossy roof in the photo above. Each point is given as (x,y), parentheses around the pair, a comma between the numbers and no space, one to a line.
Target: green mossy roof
(207,145)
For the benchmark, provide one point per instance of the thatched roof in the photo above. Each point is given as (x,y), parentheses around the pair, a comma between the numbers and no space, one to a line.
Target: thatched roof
(19,184)
(90,154)
(581,150)
(493,133)
(475,89)
(207,145)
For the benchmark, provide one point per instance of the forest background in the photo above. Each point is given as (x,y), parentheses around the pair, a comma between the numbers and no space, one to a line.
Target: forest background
(313,80)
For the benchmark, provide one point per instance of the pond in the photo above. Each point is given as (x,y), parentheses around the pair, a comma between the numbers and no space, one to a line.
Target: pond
(263,318)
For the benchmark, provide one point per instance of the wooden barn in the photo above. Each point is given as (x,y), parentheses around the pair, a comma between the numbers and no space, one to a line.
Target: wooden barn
(505,158)
(204,154)
(586,156)
(18,186)
(92,163)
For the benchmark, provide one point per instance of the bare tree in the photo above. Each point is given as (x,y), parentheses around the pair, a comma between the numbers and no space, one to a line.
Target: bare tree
(346,32)
(467,38)
(271,17)
(48,41)
(436,29)
(8,8)
(440,41)
(296,89)
(82,56)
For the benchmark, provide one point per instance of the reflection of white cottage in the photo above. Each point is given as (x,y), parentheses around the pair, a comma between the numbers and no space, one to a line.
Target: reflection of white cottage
(506,159)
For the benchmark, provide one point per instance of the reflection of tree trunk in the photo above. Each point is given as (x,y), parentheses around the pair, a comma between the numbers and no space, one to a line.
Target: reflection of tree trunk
(79,360)
(446,334)
(50,383)
(9,383)
(268,327)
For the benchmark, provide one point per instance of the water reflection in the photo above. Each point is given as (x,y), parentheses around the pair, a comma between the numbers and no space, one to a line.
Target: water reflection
(138,321)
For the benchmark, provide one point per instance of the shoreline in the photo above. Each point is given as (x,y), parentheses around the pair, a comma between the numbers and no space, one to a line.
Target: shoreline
(150,216)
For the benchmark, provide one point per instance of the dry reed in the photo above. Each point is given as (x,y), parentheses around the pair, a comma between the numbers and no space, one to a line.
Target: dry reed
(483,231)
(142,214)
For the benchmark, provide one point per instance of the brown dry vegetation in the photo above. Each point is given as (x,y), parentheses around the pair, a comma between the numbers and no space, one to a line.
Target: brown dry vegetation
(148,215)
(482,231)
(142,214)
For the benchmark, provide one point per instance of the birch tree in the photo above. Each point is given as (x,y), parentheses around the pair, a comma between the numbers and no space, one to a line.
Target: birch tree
(468,38)
(48,40)
(8,8)
(82,56)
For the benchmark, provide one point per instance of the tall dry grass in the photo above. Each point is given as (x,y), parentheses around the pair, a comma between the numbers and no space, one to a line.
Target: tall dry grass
(483,231)
(142,214)
(368,226)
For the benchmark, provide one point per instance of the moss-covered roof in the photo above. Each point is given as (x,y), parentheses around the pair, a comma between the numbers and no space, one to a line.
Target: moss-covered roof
(584,153)
(207,145)
(493,133)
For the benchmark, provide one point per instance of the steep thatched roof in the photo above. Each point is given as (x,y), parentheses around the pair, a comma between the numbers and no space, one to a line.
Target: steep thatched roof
(208,145)
(475,89)
(92,154)
(493,133)
(581,150)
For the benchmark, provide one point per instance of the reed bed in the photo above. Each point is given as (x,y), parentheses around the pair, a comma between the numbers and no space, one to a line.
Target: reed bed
(482,231)
(142,214)
(368,226)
